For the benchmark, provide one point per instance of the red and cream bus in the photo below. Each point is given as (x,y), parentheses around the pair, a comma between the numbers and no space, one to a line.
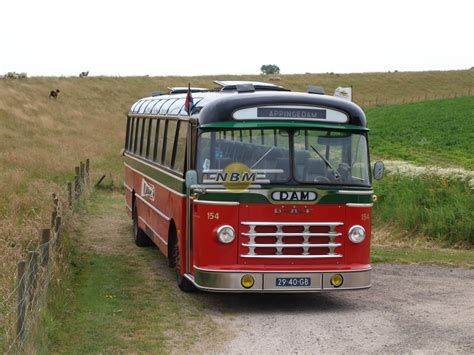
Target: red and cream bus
(257,190)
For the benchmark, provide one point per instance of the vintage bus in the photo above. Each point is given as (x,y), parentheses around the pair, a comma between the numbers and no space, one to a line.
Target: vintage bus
(255,189)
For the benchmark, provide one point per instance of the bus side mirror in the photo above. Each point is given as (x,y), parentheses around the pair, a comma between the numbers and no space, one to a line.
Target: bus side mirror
(191,178)
(378,170)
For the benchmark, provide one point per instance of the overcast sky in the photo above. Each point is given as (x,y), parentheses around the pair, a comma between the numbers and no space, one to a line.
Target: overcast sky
(141,37)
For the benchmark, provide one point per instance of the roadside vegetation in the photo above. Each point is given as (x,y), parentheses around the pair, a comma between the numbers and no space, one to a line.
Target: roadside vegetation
(436,208)
(116,298)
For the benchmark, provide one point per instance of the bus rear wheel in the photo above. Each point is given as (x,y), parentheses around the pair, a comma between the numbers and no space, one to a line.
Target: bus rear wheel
(139,236)
(183,283)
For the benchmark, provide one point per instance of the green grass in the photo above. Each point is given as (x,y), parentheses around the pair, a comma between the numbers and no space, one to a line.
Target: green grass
(429,206)
(444,257)
(428,133)
(118,302)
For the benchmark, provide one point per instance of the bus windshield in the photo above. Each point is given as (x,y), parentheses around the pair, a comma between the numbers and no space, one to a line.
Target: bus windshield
(263,151)
(317,157)
(330,157)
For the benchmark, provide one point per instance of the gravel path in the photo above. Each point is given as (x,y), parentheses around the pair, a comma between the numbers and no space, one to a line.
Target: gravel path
(410,309)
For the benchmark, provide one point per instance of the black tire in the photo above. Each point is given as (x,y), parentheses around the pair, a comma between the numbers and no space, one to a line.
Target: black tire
(139,236)
(183,283)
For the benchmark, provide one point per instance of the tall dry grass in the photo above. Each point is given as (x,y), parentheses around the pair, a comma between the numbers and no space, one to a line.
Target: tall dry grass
(42,139)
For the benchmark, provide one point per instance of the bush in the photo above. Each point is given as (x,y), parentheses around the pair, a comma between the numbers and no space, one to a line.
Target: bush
(431,206)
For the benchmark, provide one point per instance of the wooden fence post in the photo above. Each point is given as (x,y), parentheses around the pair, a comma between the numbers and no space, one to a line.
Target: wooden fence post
(57,229)
(53,217)
(87,172)
(21,302)
(44,247)
(69,195)
(32,275)
(82,174)
(77,193)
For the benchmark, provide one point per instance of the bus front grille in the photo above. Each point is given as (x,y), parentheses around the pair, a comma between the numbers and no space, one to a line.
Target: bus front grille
(291,240)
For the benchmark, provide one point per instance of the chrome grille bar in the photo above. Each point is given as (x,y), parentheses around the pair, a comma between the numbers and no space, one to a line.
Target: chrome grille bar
(279,235)
(283,245)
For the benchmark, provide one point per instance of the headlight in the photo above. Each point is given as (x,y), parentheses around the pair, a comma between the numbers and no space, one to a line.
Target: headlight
(357,234)
(225,234)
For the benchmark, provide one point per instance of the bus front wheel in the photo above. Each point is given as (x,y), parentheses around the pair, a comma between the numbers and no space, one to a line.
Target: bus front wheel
(139,236)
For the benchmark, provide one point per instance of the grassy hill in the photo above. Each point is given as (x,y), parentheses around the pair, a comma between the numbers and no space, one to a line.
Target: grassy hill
(42,139)
(428,133)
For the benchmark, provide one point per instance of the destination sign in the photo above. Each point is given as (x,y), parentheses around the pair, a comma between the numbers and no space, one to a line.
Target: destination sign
(288,112)
(283,112)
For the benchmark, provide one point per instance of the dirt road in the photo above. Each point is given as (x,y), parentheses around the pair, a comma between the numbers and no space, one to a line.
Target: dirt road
(409,309)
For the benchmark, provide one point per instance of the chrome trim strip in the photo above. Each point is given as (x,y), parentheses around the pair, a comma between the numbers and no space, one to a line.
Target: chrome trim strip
(127,187)
(359,204)
(154,232)
(354,192)
(289,256)
(161,214)
(229,281)
(156,182)
(283,245)
(277,271)
(292,224)
(217,203)
(152,166)
(302,234)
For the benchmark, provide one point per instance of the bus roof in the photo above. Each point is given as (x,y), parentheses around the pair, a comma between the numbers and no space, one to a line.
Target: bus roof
(261,105)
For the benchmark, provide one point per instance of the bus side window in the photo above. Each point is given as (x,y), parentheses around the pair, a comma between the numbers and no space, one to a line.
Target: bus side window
(180,147)
(158,140)
(170,137)
(143,134)
(135,134)
(130,134)
(149,138)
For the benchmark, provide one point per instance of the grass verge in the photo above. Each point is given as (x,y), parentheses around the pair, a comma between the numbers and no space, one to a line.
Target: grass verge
(117,298)
(437,208)
(444,257)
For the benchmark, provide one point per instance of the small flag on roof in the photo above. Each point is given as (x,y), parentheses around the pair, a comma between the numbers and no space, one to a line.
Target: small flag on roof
(344,93)
(189,102)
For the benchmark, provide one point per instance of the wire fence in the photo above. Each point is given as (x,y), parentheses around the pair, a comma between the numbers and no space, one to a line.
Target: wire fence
(400,99)
(21,308)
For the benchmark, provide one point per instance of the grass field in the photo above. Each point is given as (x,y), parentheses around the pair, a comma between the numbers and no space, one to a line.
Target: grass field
(427,133)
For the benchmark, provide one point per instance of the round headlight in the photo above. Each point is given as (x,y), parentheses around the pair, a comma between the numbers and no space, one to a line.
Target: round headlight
(225,234)
(357,234)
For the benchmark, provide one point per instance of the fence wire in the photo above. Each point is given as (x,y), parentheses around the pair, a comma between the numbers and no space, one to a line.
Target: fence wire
(21,307)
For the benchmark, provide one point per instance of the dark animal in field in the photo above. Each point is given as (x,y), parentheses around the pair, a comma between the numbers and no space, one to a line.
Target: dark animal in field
(54,94)
(83,74)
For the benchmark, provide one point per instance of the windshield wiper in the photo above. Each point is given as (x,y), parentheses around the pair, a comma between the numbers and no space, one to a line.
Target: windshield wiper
(334,171)
(262,157)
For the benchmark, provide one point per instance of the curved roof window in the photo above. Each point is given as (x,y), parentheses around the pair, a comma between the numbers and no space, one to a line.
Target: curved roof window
(135,105)
(176,107)
(166,106)
(150,106)
(142,106)
(156,106)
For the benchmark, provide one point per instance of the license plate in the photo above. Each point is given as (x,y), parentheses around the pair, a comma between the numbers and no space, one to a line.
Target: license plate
(292,281)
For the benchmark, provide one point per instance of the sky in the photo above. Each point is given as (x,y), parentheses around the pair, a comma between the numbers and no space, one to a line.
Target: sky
(211,37)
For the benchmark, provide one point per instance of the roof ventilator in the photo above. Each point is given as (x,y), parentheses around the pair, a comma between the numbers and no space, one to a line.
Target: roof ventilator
(243,88)
(318,90)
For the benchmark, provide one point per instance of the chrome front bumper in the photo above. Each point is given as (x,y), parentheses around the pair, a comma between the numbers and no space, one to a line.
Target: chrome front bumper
(265,281)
